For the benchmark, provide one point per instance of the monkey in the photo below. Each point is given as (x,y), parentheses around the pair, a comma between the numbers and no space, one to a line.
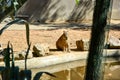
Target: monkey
(62,42)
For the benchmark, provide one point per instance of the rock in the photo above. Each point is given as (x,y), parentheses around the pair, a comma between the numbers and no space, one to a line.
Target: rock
(114,42)
(16,56)
(40,49)
(82,45)
(23,53)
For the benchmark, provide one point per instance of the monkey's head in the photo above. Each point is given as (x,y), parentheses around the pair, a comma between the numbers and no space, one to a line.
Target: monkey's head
(65,33)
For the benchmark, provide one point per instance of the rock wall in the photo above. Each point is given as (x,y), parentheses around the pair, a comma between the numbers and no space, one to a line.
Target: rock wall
(62,10)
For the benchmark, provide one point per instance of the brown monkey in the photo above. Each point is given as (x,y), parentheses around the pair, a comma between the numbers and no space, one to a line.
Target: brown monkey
(62,42)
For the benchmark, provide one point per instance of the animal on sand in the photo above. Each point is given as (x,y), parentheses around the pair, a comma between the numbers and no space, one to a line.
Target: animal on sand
(62,43)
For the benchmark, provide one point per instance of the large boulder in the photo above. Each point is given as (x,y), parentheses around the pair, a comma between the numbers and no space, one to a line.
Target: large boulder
(40,49)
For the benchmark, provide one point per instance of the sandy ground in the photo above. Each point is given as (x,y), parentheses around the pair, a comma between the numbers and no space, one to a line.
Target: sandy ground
(49,33)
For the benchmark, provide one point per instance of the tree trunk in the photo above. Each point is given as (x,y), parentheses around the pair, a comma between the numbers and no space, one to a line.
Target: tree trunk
(94,69)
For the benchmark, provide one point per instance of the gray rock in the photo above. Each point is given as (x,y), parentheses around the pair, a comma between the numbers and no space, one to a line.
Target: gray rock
(23,53)
(16,56)
(114,42)
(40,49)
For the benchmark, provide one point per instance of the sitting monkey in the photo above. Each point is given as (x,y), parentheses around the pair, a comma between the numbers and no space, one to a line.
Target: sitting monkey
(62,42)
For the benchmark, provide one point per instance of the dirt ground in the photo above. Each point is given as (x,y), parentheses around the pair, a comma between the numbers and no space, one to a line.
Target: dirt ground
(49,35)
(44,33)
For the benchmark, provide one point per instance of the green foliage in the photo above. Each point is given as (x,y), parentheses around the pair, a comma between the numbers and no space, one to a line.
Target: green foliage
(27,33)
(9,8)
(77,1)
(8,25)
(27,55)
(8,71)
(7,56)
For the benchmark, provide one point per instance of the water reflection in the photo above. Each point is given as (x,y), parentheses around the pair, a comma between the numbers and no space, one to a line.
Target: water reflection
(112,72)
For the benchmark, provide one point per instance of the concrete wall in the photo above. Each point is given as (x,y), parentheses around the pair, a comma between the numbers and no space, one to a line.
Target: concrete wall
(62,10)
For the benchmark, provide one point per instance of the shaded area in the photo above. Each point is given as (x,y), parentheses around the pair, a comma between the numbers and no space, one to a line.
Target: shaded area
(75,26)
(115,56)
(38,10)
(115,26)
(54,26)
(55,10)
(81,10)
(71,25)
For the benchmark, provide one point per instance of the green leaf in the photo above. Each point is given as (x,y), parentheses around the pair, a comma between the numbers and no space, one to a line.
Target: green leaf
(26,56)
(7,56)
(27,32)
(9,24)
(15,21)
(9,7)
(77,1)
